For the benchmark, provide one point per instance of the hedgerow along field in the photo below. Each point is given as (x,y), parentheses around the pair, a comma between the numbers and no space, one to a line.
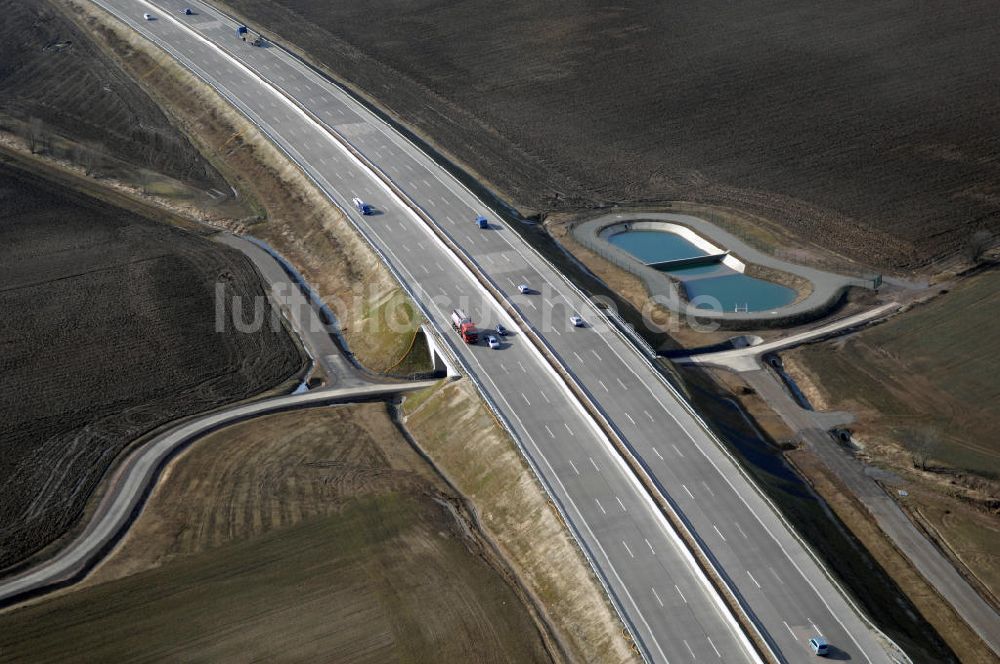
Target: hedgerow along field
(108,332)
(868,128)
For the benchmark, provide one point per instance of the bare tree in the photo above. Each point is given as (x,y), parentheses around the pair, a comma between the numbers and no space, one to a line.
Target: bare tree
(86,157)
(922,444)
(978,244)
(35,134)
(144,178)
(45,145)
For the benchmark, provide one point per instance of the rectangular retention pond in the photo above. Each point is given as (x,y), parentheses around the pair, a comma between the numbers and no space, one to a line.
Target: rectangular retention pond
(714,286)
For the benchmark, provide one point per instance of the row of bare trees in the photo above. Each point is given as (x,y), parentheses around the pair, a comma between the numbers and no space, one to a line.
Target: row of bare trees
(40,140)
(146,148)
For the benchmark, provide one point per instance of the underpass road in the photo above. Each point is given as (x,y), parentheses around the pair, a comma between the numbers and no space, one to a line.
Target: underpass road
(666,602)
(289,299)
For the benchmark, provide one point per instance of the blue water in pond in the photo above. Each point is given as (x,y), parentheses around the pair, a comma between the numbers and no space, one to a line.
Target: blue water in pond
(655,246)
(730,289)
(738,292)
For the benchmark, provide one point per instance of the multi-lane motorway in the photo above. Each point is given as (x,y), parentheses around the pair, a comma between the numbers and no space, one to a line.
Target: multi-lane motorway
(672,611)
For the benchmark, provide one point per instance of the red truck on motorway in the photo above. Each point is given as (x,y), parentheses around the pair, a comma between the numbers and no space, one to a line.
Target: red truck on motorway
(464,326)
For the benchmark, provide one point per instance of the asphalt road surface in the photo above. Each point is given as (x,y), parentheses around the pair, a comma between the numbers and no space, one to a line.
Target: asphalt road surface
(748,358)
(303,314)
(669,607)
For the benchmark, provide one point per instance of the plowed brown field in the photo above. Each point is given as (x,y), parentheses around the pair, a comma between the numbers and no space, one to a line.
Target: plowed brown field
(869,128)
(107,332)
(53,73)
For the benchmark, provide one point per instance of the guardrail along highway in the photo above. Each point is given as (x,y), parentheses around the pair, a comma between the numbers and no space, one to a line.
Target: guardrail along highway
(668,604)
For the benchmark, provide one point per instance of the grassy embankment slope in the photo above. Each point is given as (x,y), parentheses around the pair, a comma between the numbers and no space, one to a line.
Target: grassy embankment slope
(298,536)
(297,219)
(479,458)
(924,387)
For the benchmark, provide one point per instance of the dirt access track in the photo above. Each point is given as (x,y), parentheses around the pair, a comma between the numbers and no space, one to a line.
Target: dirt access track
(869,129)
(113,336)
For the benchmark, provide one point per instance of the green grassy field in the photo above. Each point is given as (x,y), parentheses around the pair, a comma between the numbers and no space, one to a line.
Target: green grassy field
(933,369)
(315,535)
(375,583)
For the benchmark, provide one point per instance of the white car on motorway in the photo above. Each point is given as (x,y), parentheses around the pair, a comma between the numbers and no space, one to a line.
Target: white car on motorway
(819,646)
(148,16)
(576,321)
(493,342)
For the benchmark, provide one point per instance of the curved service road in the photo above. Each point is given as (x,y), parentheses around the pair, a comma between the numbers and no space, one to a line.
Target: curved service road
(748,358)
